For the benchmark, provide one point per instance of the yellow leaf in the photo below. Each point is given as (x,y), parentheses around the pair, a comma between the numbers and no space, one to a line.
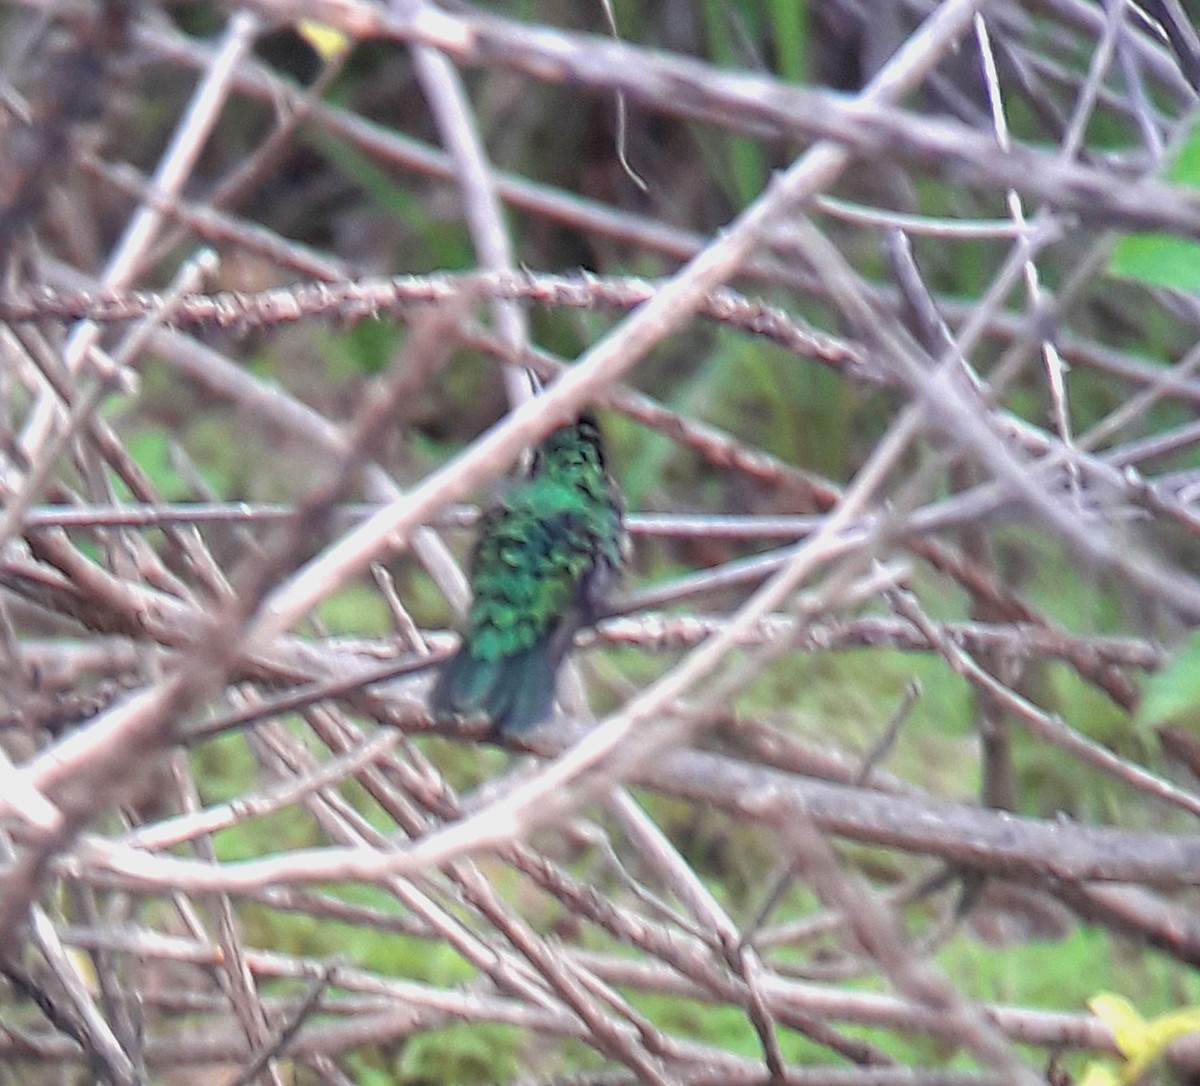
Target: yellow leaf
(81,962)
(1122,1018)
(1161,1032)
(327,41)
(1142,1042)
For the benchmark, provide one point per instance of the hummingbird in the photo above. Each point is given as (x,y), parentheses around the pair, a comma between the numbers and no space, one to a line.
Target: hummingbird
(542,567)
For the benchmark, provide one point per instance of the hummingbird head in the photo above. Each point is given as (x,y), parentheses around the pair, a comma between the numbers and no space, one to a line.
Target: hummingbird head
(574,447)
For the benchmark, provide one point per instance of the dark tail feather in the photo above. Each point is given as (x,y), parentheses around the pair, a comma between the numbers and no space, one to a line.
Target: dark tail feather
(514,694)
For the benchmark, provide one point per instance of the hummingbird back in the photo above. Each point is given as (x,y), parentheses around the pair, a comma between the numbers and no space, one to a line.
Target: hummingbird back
(545,560)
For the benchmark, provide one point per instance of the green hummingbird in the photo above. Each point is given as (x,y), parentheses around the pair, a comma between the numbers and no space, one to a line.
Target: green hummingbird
(543,564)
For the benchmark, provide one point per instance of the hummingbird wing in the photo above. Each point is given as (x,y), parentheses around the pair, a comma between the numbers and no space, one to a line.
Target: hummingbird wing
(540,565)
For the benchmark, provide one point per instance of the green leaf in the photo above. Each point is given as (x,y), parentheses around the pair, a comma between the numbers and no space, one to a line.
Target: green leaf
(151,450)
(1099,1073)
(1162,260)
(789,21)
(1173,695)
(1159,260)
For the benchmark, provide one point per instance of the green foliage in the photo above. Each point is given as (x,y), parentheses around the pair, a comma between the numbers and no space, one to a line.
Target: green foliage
(357,609)
(740,161)
(152,451)
(789,24)
(1161,259)
(1054,975)
(463,1054)
(225,767)
(429,961)
(1173,695)
(829,702)
(429,243)
(365,1073)
(799,413)
(725,1028)
(642,455)
(366,349)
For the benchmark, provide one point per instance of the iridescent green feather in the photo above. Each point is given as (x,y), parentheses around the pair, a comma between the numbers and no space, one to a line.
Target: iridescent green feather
(544,560)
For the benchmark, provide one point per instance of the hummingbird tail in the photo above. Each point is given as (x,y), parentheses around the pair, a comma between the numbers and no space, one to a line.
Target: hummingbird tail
(514,693)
